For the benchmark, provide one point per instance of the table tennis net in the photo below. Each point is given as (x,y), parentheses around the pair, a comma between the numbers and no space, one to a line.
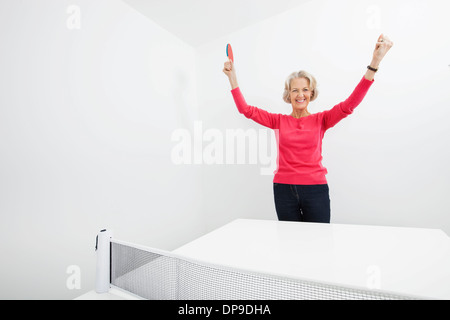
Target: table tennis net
(158,275)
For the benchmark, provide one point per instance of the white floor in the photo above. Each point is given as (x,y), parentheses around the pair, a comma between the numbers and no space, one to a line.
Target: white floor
(113,294)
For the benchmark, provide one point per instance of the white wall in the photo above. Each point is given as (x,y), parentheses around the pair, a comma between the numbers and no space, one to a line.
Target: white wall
(85,132)
(388,161)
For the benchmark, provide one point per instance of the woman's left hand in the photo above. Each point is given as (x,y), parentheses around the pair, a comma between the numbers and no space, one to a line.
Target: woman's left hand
(383,45)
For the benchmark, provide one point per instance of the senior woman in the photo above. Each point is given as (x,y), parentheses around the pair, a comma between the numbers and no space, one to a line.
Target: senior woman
(300,187)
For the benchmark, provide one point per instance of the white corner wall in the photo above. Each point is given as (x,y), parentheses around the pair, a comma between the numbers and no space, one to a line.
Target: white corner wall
(85,132)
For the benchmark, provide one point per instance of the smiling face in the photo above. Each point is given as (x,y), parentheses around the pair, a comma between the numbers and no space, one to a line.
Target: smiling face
(300,95)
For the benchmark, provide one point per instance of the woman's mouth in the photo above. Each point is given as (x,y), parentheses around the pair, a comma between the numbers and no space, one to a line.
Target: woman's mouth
(300,100)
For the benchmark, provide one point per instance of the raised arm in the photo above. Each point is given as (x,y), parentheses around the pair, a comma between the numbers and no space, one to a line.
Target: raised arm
(258,115)
(343,109)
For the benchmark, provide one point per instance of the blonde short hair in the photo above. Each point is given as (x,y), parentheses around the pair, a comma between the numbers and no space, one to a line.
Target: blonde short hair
(300,74)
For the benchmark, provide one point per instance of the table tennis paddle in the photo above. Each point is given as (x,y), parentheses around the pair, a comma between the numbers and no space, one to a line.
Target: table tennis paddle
(230,52)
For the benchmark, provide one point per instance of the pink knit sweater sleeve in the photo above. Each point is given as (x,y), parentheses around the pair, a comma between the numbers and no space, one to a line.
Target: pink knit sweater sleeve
(267,119)
(343,109)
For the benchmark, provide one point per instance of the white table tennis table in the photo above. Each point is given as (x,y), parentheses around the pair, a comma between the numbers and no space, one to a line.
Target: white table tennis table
(407,261)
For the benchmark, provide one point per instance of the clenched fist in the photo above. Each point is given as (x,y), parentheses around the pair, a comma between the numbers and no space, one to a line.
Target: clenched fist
(382,47)
(230,71)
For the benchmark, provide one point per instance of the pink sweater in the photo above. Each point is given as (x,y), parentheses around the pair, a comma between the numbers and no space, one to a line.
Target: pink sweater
(300,140)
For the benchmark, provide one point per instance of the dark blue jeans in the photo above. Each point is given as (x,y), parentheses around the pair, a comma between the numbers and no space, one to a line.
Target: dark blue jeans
(308,203)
